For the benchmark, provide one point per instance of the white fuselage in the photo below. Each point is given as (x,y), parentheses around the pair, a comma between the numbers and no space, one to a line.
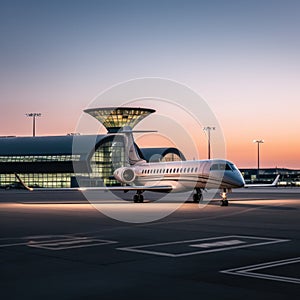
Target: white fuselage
(183,175)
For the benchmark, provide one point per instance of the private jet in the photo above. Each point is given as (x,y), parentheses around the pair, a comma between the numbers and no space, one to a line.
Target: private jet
(176,176)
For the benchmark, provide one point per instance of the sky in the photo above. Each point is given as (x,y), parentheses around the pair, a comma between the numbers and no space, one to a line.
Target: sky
(242,57)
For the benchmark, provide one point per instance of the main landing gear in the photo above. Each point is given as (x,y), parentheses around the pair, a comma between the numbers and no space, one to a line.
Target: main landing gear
(224,201)
(198,196)
(138,197)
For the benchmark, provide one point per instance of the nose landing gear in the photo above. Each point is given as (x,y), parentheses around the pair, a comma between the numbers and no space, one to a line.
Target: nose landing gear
(224,201)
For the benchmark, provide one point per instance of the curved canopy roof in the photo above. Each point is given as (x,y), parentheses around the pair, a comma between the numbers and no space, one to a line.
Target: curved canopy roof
(49,145)
(114,118)
(82,145)
(155,154)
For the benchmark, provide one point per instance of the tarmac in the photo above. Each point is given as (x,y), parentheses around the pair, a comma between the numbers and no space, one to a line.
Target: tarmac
(56,245)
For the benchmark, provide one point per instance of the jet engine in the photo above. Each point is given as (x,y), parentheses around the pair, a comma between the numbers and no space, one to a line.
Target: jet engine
(125,175)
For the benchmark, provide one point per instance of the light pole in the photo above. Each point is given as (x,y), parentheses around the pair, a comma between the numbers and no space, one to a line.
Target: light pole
(208,129)
(33,116)
(258,142)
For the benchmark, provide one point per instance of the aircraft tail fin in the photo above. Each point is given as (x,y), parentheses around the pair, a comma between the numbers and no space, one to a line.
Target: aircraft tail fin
(132,156)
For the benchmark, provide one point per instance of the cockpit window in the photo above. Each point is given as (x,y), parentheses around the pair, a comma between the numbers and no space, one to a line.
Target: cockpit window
(222,167)
(233,167)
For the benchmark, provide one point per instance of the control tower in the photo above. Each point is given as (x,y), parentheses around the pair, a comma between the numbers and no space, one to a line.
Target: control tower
(114,118)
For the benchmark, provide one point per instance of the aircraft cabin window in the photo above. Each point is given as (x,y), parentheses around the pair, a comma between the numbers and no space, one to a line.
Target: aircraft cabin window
(188,170)
(167,171)
(174,170)
(196,170)
(214,167)
(192,170)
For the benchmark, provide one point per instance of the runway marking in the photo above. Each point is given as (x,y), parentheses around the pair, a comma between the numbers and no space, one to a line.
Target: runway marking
(27,239)
(55,242)
(218,244)
(71,243)
(248,271)
(185,248)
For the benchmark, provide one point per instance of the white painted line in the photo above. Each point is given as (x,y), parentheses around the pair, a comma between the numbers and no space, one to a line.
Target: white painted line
(218,244)
(28,239)
(81,242)
(248,271)
(55,242)
(264,241)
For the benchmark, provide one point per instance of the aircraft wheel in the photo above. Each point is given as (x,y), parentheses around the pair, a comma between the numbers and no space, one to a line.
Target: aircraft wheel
(196,198)
(136,198)
(141,200)
(224,202)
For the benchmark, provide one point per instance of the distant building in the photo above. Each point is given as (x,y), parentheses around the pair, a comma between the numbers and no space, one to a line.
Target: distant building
(288,177)
(72,160)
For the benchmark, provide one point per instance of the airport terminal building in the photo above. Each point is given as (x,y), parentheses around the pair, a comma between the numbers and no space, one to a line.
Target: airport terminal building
(90,160)
(76,160)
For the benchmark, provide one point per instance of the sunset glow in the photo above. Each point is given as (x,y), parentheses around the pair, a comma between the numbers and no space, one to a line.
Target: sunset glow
(243,58)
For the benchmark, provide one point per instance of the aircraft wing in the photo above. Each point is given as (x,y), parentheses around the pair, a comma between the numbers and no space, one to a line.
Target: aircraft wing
(274,183)
(127,188)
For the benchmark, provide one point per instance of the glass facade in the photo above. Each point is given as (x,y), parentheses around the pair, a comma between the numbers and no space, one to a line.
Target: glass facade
(106,159)
(46,180)
(56,171)
(39,158)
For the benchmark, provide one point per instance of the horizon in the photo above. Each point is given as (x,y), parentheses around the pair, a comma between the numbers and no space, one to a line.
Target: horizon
(163,141)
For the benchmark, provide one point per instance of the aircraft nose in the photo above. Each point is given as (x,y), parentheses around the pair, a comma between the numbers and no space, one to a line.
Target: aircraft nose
(240,182)
(237,179)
